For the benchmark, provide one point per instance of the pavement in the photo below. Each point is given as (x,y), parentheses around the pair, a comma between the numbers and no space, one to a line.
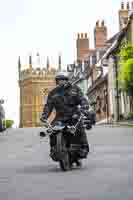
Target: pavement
(119,123)
(28,173)
(125,123)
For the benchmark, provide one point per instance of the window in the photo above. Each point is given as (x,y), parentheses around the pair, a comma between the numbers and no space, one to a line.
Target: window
(94,60)
(87,62)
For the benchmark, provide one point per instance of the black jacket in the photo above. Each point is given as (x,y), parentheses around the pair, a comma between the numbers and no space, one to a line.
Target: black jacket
(65,101)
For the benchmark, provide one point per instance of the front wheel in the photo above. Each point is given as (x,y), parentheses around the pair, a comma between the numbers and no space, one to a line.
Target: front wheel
(65,162)
(64,156)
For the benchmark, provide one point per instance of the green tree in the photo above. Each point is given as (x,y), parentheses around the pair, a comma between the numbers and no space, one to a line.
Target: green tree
(126,68)
(125,76)
(8,123)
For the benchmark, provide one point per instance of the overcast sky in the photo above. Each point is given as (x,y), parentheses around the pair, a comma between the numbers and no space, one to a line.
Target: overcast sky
(47,27)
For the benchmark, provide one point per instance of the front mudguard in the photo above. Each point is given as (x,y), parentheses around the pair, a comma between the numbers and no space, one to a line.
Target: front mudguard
(56,155)
(59,150)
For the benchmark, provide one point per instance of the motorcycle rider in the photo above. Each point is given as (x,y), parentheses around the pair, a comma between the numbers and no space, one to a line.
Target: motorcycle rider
(65,99)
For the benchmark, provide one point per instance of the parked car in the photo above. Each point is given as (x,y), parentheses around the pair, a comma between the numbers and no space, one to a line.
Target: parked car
(2,118)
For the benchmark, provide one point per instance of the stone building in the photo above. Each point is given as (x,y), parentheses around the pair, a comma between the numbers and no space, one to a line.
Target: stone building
(34,83)
(118,104)
(120,101)
(97,89)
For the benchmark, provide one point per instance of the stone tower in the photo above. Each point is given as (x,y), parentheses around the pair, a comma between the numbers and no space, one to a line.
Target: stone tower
(100,35)
(34,86)
(124,14)
(82,46)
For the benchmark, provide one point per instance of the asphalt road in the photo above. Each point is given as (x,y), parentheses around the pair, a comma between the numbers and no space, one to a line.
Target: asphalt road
(28,173)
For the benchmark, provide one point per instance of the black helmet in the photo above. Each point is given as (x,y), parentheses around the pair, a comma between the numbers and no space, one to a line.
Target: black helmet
(62,76)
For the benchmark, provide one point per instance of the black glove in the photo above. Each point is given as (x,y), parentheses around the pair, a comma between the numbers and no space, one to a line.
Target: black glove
(44,120)
(42,134)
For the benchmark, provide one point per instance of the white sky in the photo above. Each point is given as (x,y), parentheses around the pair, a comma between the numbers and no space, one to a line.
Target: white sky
(49,27)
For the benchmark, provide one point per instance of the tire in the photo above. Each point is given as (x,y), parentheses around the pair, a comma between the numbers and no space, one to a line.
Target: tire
(64,161)
(59,143)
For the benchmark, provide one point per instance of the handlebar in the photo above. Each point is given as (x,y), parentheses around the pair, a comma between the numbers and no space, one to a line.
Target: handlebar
(72,128)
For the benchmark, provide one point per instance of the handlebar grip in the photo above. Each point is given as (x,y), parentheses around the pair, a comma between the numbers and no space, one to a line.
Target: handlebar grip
(42,134)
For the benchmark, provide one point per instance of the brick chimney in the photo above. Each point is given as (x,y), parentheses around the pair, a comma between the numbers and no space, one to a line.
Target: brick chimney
(100,35)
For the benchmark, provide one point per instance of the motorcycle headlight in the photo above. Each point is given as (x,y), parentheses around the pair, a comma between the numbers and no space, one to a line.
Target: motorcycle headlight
(88,127)
(87,121)
(72,129)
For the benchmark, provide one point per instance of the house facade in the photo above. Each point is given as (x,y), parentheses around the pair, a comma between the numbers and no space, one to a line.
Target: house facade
(120,102)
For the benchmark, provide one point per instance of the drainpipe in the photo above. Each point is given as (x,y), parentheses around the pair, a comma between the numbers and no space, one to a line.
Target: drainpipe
(117,87)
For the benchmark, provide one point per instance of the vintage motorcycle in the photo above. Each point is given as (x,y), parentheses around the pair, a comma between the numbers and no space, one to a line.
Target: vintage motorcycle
(64,151)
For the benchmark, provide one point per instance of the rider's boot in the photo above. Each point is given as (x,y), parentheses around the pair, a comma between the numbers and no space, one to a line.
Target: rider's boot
(78,163)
